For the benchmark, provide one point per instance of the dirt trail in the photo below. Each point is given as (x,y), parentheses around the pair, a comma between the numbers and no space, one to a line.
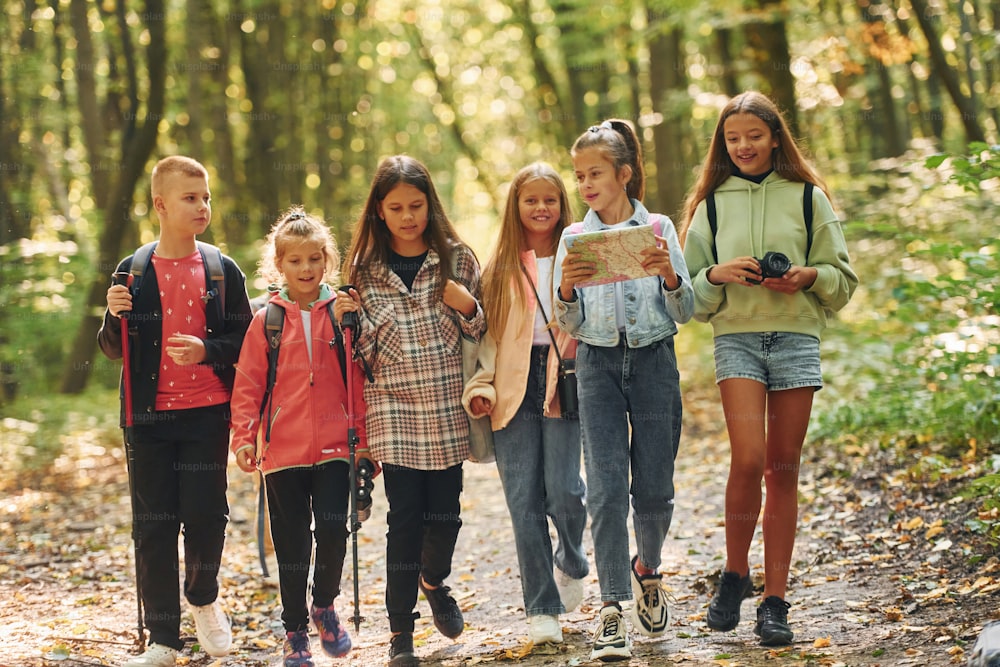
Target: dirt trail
(66,579)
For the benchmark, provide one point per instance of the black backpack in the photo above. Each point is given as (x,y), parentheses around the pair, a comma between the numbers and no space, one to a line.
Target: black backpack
(807,214)
(214,273)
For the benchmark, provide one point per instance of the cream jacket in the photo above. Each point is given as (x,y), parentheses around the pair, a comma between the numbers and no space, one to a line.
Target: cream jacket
(503,374)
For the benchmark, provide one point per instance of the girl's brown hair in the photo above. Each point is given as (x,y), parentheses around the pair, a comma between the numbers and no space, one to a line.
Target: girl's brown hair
(503,270)
(620,144)
(293,227)
(787,160)
(372,241)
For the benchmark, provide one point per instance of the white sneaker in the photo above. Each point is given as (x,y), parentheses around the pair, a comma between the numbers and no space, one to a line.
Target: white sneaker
(611,641)
(157,655)
(214,633)
(649,613)
(570,590)
(544,629)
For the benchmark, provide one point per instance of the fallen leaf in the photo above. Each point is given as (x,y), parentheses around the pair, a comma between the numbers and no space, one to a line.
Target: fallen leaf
(821,642)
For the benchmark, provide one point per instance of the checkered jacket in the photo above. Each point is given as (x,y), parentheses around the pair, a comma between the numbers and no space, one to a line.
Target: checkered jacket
(411,339)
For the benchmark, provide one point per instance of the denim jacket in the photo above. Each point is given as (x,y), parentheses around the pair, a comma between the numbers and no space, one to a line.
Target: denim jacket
(652,311)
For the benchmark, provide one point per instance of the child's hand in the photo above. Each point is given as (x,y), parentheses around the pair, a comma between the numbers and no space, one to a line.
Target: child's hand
(795,279)
(575,269)
(457,297)
(480,406)
(185,350)
(656,259)
(246,460)
(119,300)
(741,271)
(346,302)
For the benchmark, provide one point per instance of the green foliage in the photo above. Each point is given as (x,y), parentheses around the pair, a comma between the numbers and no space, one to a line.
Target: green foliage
(982,164)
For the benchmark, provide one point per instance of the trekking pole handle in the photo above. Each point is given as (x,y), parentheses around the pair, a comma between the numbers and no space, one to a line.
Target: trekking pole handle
(350,319)
(121,278)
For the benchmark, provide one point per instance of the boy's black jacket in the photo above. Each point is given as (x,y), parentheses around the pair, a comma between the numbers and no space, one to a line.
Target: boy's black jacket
(222,348)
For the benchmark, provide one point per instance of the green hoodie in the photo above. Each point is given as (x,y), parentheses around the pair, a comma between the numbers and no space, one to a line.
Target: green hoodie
(754,218)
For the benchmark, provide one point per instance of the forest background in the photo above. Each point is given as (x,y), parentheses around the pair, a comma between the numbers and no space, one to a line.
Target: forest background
(898,105)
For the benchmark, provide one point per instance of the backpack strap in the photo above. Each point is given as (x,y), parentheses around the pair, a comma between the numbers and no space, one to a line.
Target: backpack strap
(338,341)
(575,228)
(274,322)
(215,276)
(807,215)
(140,262)
(713,222)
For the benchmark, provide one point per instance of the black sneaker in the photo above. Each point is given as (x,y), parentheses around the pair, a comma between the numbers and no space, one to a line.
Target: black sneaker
(724,610)
(447,616)
(401,651)
(772,622)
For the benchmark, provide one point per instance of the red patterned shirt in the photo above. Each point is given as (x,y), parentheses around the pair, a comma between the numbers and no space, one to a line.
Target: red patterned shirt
(182,288)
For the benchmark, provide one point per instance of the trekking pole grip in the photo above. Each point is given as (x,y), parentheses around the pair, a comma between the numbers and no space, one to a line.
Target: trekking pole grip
(350,320)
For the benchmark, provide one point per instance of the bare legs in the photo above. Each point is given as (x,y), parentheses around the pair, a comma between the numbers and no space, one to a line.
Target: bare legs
(770,449)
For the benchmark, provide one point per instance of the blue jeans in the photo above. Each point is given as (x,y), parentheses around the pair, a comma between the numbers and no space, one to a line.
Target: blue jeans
(538,459)
(621,387)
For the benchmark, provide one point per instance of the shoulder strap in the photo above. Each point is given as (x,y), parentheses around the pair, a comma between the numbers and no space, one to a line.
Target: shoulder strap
(215,276)
(274,322)
(140,260)
(338,341)
(575,228)
(713,222)
(656,220)
(807,214)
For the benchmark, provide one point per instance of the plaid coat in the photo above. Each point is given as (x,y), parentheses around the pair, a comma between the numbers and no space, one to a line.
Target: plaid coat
(411,339)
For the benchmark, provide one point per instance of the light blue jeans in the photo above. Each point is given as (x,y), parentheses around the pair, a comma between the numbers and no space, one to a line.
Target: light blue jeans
(538,459)
(621,387)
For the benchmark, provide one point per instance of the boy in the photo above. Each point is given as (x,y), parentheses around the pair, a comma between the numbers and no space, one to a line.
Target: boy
(184,337)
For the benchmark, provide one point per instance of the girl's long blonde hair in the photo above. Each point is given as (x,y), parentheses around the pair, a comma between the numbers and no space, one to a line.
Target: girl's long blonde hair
(502,287)
(787,160)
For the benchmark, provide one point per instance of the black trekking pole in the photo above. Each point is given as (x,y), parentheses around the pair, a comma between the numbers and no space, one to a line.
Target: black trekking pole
(350,325)
(123,279)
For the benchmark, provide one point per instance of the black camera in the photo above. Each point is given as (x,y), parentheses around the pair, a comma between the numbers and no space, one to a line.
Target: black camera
(772,265)
(569,405)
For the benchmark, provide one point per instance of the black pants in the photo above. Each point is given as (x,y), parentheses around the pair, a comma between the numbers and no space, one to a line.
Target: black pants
(180,480)
(295,498)
(424,520)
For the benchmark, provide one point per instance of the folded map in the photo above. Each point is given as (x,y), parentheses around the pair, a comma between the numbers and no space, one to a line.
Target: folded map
(614,251)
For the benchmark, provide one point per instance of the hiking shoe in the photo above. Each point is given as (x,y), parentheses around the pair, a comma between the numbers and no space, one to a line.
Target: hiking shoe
(772,622)
(544,629)
(214,633)
(401,651)
(570,590)
(157,655)
(649,613)
(296,649)
(611,641)
(724,610)
(333,637)
(447,616)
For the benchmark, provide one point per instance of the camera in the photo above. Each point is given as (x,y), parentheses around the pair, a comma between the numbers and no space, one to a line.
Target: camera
(772,265)
(569,404)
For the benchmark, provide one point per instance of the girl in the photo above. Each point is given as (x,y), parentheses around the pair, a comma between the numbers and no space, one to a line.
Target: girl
(628,378)
(537,452)
(418,285)
(767,330)
(304,454)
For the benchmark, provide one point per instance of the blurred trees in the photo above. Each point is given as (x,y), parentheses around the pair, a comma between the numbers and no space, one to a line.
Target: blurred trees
(296,103)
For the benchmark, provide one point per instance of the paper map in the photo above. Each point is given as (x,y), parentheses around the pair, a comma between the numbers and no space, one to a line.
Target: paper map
(615,251)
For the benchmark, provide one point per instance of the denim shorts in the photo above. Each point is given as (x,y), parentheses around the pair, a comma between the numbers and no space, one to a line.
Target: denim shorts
(776,359)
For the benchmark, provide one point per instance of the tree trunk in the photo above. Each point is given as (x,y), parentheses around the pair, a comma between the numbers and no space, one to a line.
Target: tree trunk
(966,112)
(723,37)
(767,44)
(885,128)
(118,202)
(671,146)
